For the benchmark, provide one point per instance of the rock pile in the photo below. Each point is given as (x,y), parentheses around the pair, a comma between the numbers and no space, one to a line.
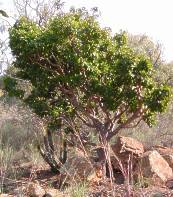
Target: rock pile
(126,154)
(156,163)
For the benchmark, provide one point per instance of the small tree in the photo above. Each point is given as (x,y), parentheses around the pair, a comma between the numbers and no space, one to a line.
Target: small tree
(79,71)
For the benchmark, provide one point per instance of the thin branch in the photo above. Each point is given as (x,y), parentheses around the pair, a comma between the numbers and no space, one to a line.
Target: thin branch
(158,57)
(84,121)
(118,115)
(125,124)
(134,125)
(108,122)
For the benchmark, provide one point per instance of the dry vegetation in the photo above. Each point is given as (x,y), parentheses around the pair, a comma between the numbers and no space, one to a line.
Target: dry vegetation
(38,164)
(22,167)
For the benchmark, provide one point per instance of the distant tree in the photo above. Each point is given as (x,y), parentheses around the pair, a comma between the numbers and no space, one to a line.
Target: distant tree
(164,73)
(78,71)
(142,44)
(40,11)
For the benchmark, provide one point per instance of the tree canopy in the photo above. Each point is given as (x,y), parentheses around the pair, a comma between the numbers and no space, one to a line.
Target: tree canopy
(78,70)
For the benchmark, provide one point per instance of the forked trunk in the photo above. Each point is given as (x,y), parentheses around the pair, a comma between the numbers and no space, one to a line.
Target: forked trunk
(48,153)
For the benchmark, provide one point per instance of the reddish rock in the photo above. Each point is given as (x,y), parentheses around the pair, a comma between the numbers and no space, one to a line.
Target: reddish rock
(154,165)
(128,145)
(167,154)
(126,150)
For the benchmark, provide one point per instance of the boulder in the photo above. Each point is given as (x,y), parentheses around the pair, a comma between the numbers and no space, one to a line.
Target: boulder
(35,190)
(124,152)
(154,165)
(166,153)
(124,148)
(163,150)
(128,145)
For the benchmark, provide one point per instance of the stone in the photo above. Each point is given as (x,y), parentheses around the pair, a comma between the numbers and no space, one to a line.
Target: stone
(166,153)
(35,190)
(154,165)
(128,145)
(123,153)
(169,183)
(126,152)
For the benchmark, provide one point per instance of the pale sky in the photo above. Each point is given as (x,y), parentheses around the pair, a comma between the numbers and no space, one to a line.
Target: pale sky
(150,17)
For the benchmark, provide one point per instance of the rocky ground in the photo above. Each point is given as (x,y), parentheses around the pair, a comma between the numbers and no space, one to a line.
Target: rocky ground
(137,172)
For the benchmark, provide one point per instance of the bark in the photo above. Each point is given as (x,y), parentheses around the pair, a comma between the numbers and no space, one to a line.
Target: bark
(102,152)
(49,159)
(63,149)
(48,153)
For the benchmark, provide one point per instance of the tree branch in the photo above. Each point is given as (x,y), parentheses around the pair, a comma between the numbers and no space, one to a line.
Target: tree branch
(134,125)
(125,124)
(84,121)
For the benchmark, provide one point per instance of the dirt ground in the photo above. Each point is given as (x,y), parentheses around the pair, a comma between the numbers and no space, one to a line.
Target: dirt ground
(46,179)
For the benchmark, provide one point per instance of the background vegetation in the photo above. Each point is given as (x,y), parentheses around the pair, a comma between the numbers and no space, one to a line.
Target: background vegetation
(26,121)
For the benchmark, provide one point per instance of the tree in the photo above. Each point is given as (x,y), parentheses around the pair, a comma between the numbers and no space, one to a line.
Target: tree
(39,11)
(142,44)
(163,74)
(3,46)
(79,72)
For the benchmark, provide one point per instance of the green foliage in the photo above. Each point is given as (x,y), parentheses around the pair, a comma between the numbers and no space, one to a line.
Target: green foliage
(74,65)
(10,85)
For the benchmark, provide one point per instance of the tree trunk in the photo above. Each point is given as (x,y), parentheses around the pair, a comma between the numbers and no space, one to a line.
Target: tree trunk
(104,157)
(49,159)
(48,153)
(63,149)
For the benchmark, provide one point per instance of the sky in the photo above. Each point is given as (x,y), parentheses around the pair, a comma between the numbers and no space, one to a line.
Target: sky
(150,17)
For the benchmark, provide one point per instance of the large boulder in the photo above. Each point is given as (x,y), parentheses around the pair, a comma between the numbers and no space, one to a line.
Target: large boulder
(154,165)
(166,153)
(124,154)
(125,149)
(128,145)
